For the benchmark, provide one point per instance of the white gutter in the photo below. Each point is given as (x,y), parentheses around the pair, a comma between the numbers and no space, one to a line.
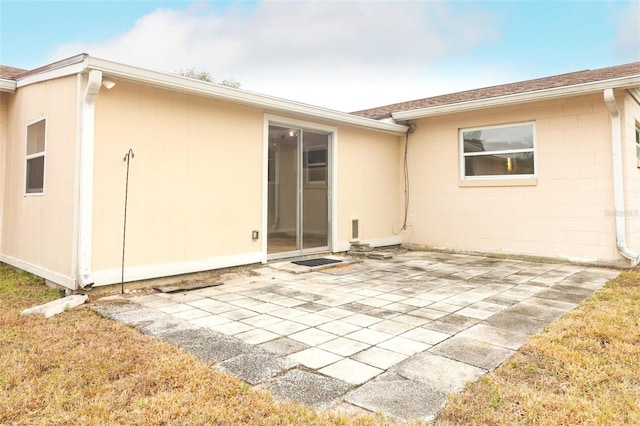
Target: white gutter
(85,178)
(239,96)
(618,184)
(517,98)
(70,66)
(83,62)
(7,85)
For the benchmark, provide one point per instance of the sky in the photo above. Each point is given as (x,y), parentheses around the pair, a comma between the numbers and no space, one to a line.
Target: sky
(342,55)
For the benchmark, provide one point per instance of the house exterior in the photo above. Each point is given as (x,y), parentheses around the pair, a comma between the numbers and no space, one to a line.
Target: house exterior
(545,167)
(224,177)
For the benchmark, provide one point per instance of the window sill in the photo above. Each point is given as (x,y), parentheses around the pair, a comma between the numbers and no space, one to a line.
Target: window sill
(497,182)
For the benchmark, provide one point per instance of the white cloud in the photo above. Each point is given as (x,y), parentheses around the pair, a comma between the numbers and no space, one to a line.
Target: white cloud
(343,55)
(628,40)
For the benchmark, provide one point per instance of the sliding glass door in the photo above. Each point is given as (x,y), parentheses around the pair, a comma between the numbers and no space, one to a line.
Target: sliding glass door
(298,191)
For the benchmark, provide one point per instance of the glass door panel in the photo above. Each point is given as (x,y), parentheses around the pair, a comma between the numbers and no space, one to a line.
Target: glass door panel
(298,183)
(283,191)
(315,212)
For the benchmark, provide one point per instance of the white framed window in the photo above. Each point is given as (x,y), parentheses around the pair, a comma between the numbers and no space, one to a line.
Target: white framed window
(315,164)
(35,155)
(498,152)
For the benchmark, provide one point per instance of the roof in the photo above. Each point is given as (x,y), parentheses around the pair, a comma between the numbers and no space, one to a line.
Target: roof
(557,81)
(10,72)
(84,63)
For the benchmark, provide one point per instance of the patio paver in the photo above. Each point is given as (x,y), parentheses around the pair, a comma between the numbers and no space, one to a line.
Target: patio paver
(392,335)
(350,371)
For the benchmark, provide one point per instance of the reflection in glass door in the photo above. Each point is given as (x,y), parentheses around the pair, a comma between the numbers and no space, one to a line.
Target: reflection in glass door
(298,183)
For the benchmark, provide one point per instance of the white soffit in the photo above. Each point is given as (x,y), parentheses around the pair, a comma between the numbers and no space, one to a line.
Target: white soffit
(635,92)
(629,82)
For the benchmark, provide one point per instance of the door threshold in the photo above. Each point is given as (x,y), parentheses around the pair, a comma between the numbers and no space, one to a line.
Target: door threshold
(287,265)
(296,255)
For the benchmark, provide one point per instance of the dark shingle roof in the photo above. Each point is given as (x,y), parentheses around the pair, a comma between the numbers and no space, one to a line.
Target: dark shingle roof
(579,77)
(10,72)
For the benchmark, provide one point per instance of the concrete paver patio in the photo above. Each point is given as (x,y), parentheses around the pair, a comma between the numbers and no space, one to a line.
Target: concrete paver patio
(391,335)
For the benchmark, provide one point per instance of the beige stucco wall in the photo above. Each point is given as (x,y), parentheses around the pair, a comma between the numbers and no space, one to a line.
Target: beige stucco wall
(37,229)
(194,184)
(567,213)
(369,174)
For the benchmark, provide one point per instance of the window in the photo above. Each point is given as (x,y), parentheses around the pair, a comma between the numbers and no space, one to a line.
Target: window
(36,135)
(498,152)
(315,164)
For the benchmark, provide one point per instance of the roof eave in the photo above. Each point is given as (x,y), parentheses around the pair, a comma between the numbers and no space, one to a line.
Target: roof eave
(635,92)
(201,88)
(66,67)
(519,98)
(83,62)
(7,85)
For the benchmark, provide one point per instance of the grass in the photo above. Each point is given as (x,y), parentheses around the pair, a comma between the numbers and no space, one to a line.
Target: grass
(80,368)
(582,370)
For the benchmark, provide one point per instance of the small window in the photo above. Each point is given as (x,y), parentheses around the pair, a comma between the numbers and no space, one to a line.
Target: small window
(498,152)
(315,164)
(36,136)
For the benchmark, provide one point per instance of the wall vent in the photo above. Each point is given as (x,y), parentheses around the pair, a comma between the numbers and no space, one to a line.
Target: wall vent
(354,230)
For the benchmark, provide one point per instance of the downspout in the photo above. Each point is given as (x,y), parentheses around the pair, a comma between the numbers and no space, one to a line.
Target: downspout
(618,184)
(85,193)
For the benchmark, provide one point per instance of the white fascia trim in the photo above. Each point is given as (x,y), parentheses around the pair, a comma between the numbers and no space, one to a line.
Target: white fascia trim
(52,74)
(374,242)
(518,98)
(217,91)
(52,276)
(8,85)
(159,270)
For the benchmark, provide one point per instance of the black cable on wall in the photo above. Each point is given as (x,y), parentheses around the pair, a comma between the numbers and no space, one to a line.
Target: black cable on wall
(410,130)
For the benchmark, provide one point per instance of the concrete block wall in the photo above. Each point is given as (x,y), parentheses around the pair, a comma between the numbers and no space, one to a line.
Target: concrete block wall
(565,212)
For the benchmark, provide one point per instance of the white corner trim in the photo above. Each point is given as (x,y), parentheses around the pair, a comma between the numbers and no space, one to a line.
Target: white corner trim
(159,270)
(54,277)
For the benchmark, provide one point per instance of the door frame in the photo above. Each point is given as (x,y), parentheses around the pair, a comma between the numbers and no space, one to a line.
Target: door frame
(332,193)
